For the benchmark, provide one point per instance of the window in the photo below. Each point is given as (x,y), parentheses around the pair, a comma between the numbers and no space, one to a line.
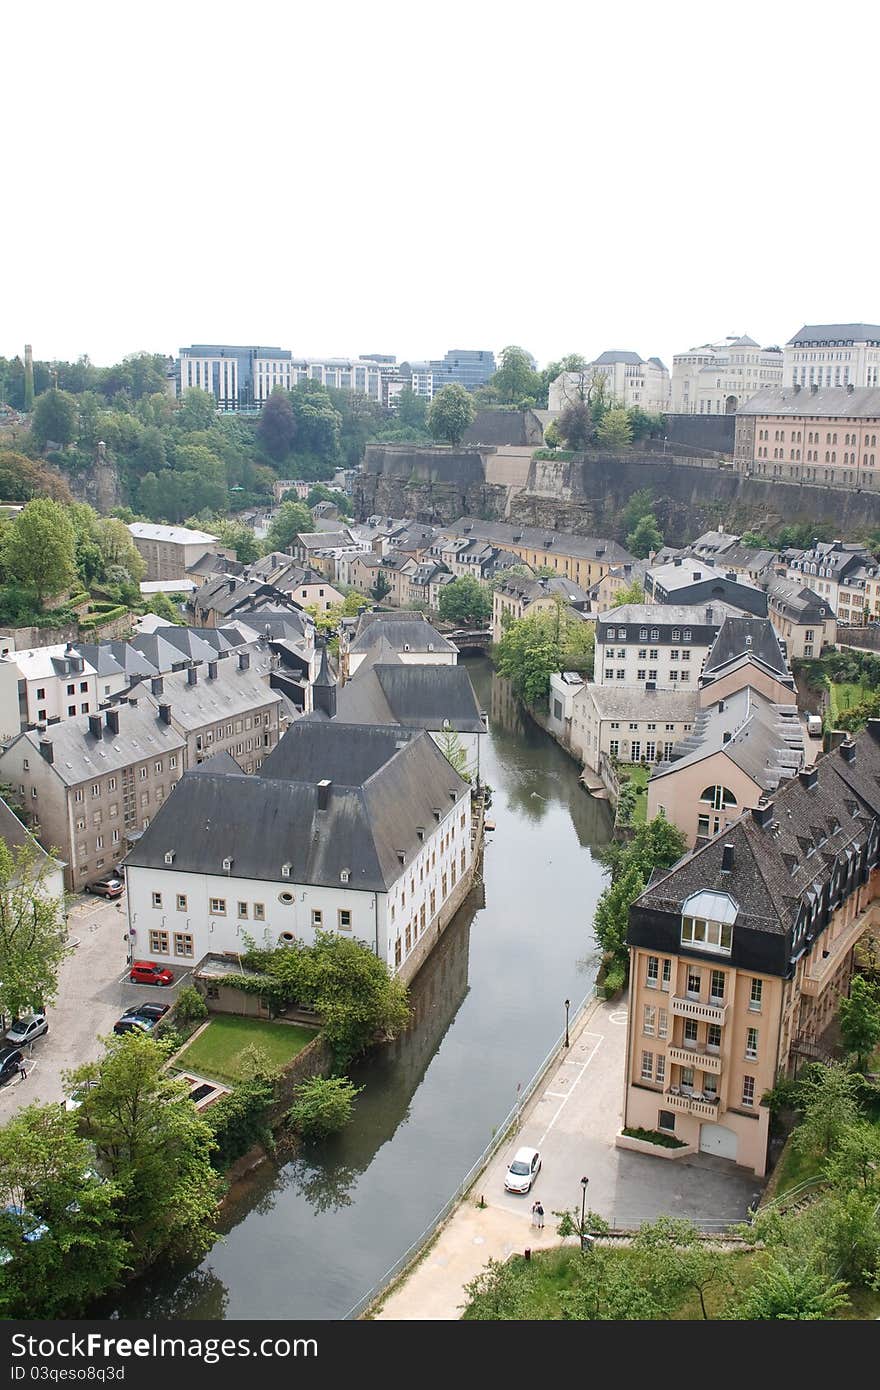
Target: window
(654,654)
(714,936)
(183,943)
(143,775)
(652,973)
(218,907)
(649,1025)
(687,1079)
(751,1044)
(690,1031)
(158,943)
(111,784)
(317,917)
(344,919)
(41,692)
(433,902)
(614,748)
(702,825)
(755,994)
(666,1120)
(748,1091)
(71,689)
(667,974)
(716,987)
(660,1074)
(663,1024)
(647,1066)
(181,902)
(157,899)
(242,909)
(693,984)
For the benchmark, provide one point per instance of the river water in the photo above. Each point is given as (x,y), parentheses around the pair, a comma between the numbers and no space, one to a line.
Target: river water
(308,1238)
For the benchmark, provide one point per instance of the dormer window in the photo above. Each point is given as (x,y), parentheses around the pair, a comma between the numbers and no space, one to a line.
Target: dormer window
(344,875)
(707,920)
(285,870)
(227,864)
(169,856)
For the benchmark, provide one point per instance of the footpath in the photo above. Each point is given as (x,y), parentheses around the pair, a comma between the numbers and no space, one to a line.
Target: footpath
(572,1118)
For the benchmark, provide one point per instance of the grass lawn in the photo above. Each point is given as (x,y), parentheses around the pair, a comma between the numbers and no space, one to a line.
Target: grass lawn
(846,694)
(216,1051)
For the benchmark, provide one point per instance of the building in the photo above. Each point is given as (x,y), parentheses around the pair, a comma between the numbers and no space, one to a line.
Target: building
(211,566)
(843,575)
(516,596)
(353,829)
(48,683)
(656,646)
(218,707)
(16,836)
(716,378)
(466,367)
(741,952)
(169,551)
(411,637)
(303,586)
(583,559)
(243,378)
(94,781)
(747,652)
(812,435)
(684,581)
(833,354)
(624,724)
(629,381)
(805,620)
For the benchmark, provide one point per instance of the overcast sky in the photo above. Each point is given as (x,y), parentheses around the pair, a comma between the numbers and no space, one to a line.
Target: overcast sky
(403,178)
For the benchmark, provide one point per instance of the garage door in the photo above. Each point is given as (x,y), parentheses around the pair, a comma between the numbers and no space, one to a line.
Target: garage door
(716,1139)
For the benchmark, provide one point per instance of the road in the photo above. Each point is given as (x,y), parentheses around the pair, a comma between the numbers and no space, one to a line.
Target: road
(94,990)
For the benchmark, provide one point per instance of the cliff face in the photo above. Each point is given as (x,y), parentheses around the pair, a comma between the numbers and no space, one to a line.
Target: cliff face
(430,485)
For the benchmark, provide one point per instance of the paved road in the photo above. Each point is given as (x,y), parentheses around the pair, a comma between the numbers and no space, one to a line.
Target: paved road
(94,990)
(573,1119)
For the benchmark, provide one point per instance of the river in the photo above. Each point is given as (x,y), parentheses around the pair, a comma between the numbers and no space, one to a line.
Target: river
(308,1238)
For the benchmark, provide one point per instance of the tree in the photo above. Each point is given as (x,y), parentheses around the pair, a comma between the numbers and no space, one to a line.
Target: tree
(516,379)
(150,456)
(291,519)
(238,537)
(501,1292)
(611,920)
(830,1108)
(630,593)
(21,479)
(614,429)
(322,1106)
(48,1181)
(658,844)
(867,956)
(381,587)
(198,410)
(755,541)
(39,548)
(576,425)
(451,414)
(319,493)
(412,410)
(118,549)
(860,1020)
(638,504)
(31,930)
(277,428)
(855,1163)
(790,1292)
(54,418)
(609,1289)
(318,422)
(645,537)
(528,654)
(676,1261)
(465,601)
(454,751)
(154,1145)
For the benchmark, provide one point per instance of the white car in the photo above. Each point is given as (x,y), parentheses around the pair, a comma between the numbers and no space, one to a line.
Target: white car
(24,1030)
(524,1168)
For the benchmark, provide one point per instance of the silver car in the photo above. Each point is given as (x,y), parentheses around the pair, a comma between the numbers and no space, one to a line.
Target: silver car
(24,1030)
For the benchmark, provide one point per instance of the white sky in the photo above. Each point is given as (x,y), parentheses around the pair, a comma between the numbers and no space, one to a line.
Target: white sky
(382,177)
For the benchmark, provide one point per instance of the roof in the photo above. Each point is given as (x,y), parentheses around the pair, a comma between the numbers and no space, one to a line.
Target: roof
(836,402)
(418,697)
(211,563)
(631,359)
(101,658)
(765,740)
(230,692)
(670,706)
(169,535)
(795,601)
(668,614)
(541,538)
(412,633)
(167,586)
(837,333)
(325,540)
(754,637)
(79,755)
(385,785)
(37,663)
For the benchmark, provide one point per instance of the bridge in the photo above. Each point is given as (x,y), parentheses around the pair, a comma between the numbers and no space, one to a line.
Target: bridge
(471,639)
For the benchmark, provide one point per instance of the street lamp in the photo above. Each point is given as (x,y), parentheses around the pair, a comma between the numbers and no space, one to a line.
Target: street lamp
(584,1182)
(567,1007)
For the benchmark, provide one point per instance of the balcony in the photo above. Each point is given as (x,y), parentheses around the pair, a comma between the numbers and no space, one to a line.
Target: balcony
(705,1107)
(821,968)
(695,1057)
(694,1008)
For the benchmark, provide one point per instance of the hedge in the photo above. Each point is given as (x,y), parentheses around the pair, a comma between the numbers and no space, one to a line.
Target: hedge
(655,1136)
(99,619)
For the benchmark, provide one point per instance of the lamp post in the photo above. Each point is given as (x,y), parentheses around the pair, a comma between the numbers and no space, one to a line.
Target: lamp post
(567,1007)
(584,1182)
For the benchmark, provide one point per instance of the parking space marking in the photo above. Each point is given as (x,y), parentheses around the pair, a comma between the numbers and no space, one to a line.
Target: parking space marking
(567,1098)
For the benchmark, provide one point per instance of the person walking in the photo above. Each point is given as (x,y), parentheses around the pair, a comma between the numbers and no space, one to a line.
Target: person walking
(535,1215)
(22,1071)
(539,1216)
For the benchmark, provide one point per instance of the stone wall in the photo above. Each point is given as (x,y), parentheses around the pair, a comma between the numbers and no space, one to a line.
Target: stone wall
(714,433)
(433,486)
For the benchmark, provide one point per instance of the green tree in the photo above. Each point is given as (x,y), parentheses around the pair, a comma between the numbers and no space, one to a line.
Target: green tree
(451,414)
(609,1289)
(47,1179)
(645,538)
(756,541)
(614,430)
(501,1292)
(291,519)
(676,1261)
(318,422)
(528,654)
(39,548)
(516,379)
(381,587)
(658,844)
(319,493)
(54,419)
(22,478)
(277,428)
(150,456)
(88,420)
(640,503)
(322,1106)
(860,1020)
(198,410)
(454,751)
(465,601)
(576,425)
(830,1108)
(790,1292)
(118,549)
(238,537)
(630,593)
(611,920)
(31,930)
(412,410)
(154,1144)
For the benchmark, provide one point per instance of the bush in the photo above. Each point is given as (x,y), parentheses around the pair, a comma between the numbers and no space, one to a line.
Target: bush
(240,1120)
(614,979)
(322,1106)
(191,1007)
(656,1136)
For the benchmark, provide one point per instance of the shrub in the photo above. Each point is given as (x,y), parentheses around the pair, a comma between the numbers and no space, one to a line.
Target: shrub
(656,1136)
(614,979)
(240,1120)
(322,1106)
(191,1007)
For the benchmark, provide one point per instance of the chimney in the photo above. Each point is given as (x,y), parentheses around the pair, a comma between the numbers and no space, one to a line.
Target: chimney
(231,585)
(212,670)
(46,749)
(112,719)
(324,794)
(698,574)
(192,675)
(677,560)
(727,859)
(848,750)
(762,814)
(814,389)
(165,713)
(157,685)
(874,729)
(809,777)
(244,661)
(95,723)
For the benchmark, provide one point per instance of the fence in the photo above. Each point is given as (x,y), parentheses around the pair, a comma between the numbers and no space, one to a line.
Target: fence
(497,1140)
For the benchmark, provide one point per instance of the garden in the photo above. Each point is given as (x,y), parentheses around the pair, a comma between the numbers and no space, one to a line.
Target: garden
(218,1049)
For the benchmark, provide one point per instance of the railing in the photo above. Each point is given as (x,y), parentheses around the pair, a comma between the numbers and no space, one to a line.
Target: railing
(694,1008)
(691,1056)
(814,983)
(692,1105)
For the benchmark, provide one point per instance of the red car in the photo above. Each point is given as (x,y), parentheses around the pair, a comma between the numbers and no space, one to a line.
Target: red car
(147,972)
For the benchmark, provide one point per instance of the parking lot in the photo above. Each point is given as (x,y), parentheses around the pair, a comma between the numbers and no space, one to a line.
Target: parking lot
(94,990)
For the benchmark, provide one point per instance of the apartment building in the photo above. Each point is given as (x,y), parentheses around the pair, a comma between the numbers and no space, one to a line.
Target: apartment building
(169,551)
(716,378)
(93,781)
(355,829)
(584,559)
(833,354)
(44,684)
(218,707)
(811,434)
(623,725)
(629,381)
(685,581)
(844,575)
(805,620)
(741,952)
(516,596)
(656,646)
(410,636)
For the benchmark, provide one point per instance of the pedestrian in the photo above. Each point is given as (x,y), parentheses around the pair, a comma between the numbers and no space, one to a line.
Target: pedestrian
(535,1214)
(539,1216)
(22,1071)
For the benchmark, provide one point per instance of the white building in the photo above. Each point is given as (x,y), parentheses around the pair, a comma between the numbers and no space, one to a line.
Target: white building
(833,354)
(656,646)
(716,378)
(410,636)
(347,828)
(629,380)
(42,685)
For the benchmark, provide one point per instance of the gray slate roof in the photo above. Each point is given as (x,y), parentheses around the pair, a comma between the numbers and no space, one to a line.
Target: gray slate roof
(607,359)
(232,692)
(668,706)
(537,538)
(400,633)
(797,602)
(754,637)
(862,403)
(763,739)
(78,756)
(837,333)
(418,697)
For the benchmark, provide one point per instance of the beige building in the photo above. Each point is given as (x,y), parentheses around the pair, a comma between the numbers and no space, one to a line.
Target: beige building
(583,559)
(222,706)
(833,354)
(169,551)
(717,378)
(740,954)
(811,435)
(626,725)
(515,596)
(805,621)
(629,381)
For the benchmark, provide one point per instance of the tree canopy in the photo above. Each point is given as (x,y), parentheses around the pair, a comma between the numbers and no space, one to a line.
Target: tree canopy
(291,519)
(31,930)
(451,413)
(39,548)
(465,600)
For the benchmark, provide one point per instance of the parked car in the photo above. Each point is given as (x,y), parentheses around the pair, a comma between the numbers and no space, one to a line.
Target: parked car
(24,1030)
(524,1168)
(11,1061)
(147,972)
(134,1025)
(110,886)
(31,1227)
(154,1011)
(814,725)
(77,1096)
